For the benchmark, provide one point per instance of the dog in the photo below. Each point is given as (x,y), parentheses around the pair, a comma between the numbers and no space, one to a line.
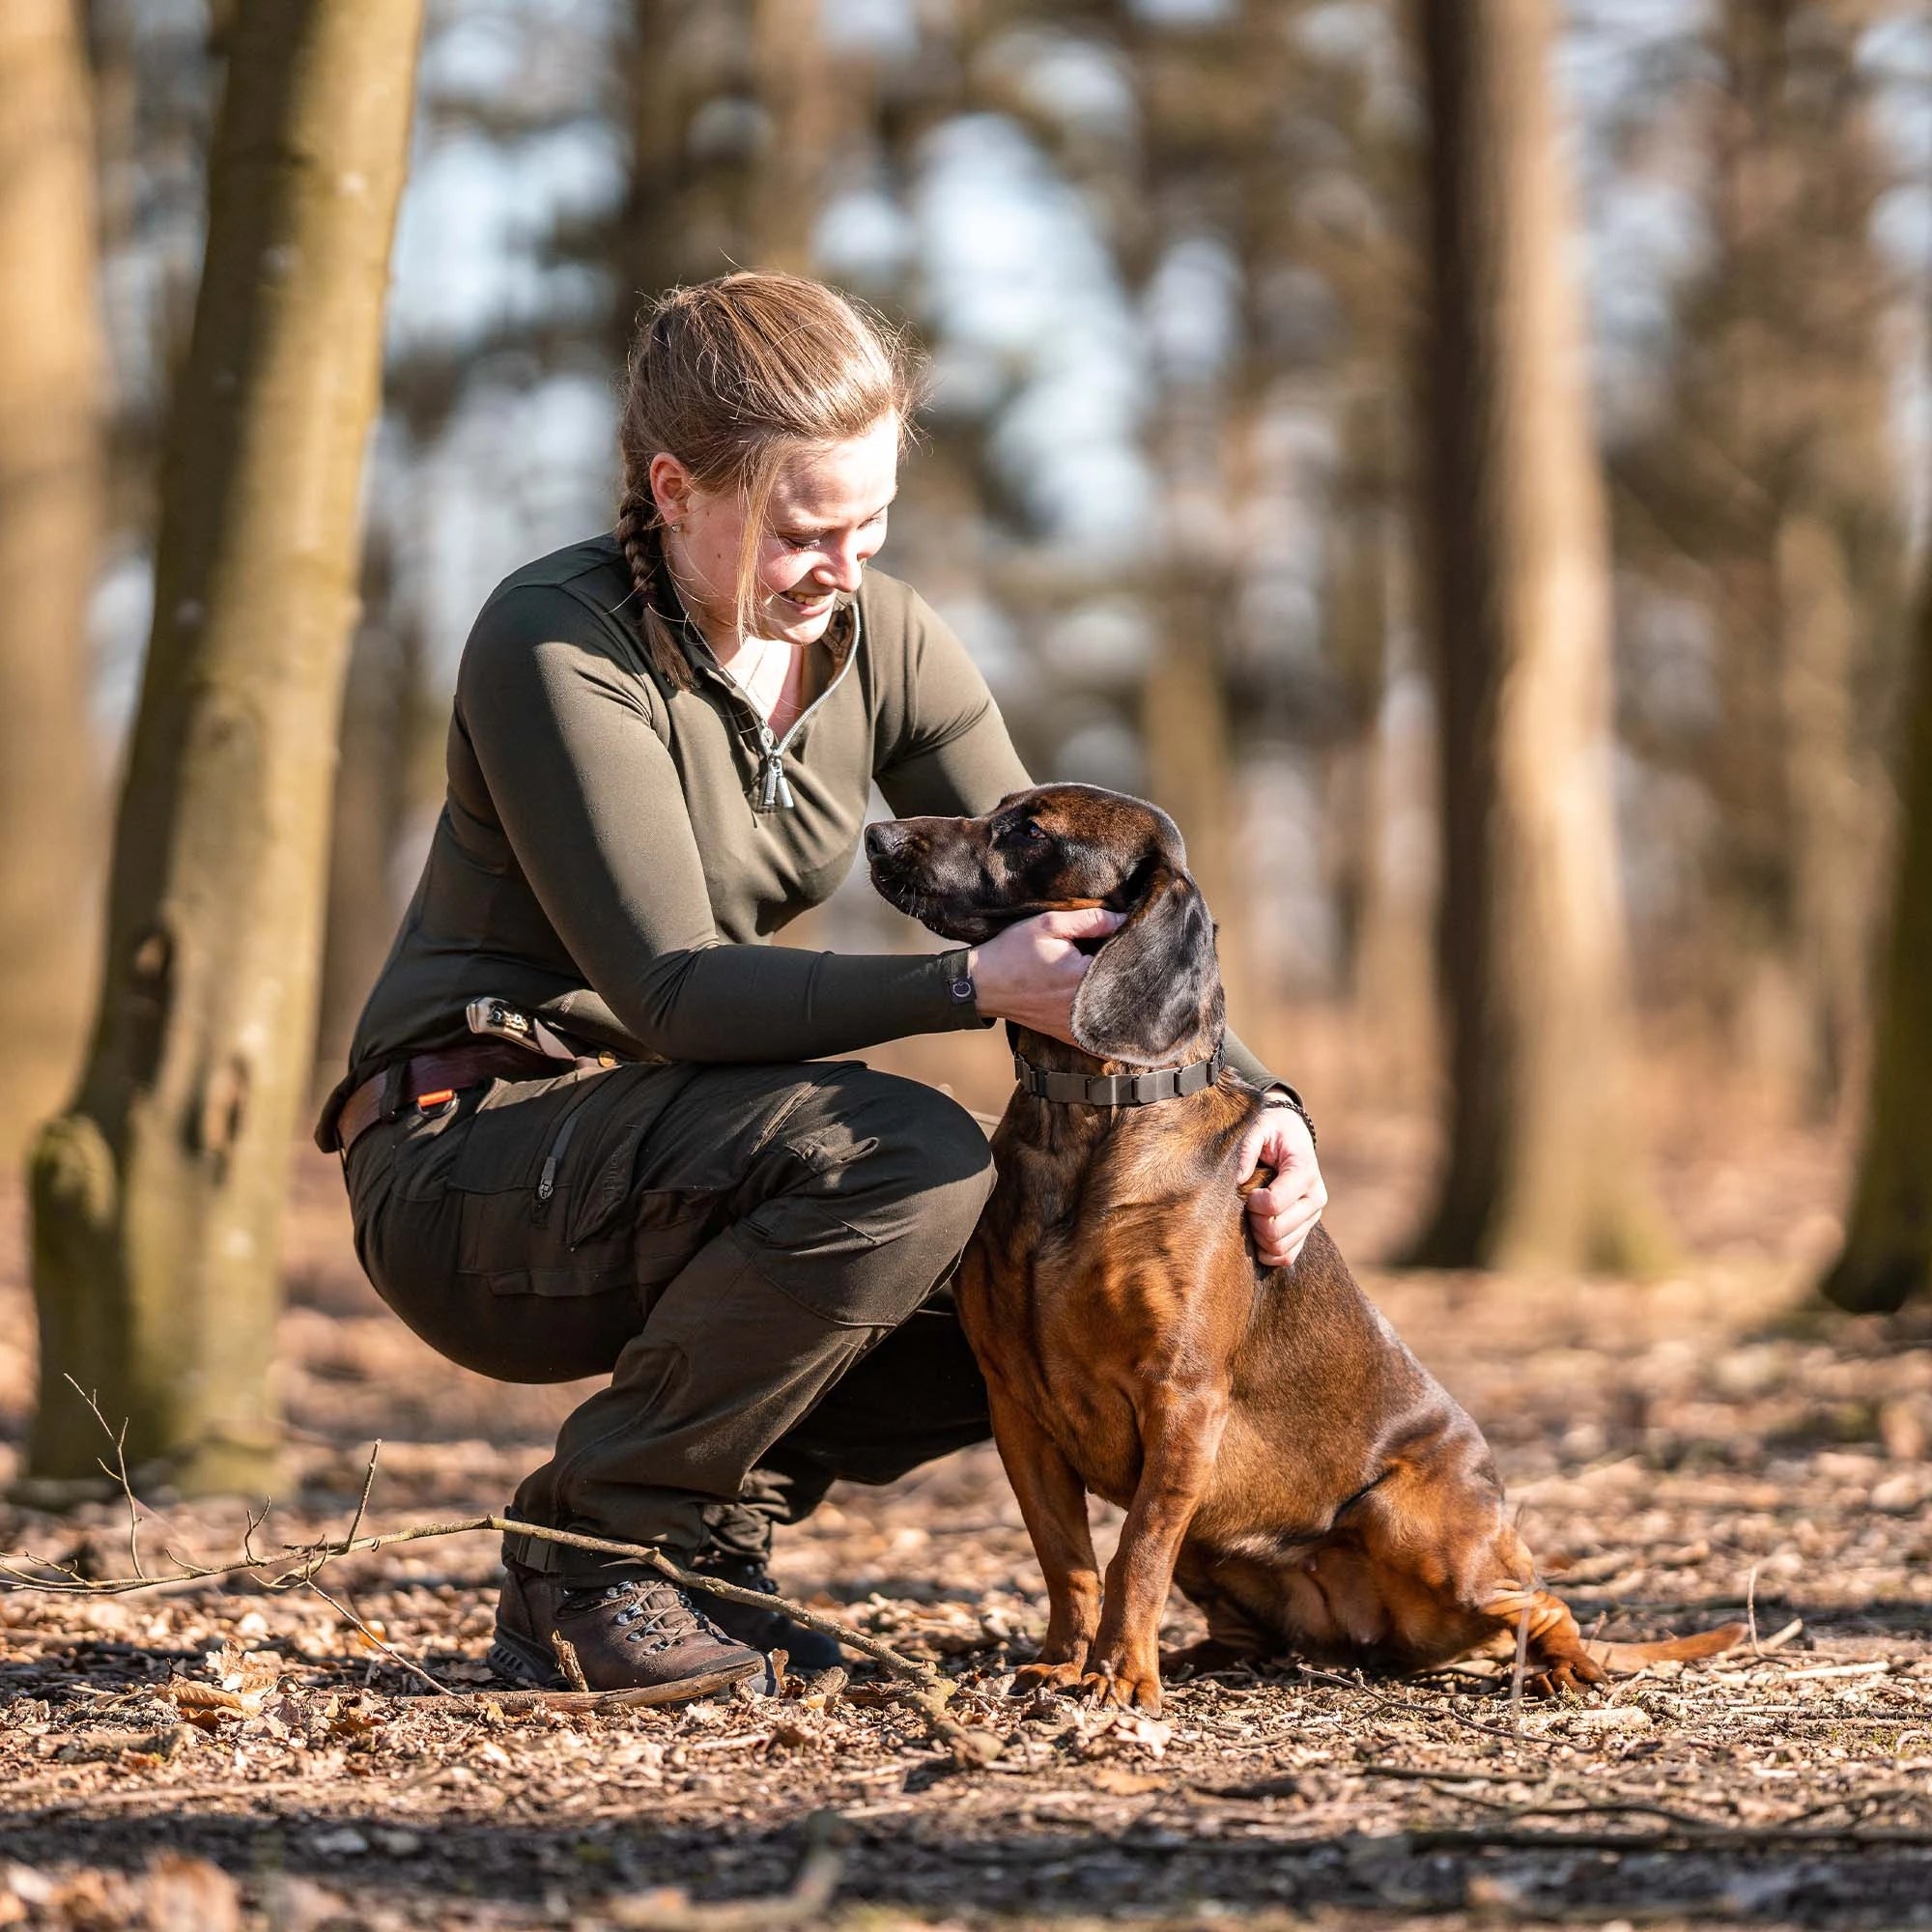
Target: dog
(1278,1452)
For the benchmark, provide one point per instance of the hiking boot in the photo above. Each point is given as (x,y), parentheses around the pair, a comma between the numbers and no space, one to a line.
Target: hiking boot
(808,1650)
(642,1640)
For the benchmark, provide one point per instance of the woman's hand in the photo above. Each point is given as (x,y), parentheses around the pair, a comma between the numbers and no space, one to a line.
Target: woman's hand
(1029,973)
(1281,1216)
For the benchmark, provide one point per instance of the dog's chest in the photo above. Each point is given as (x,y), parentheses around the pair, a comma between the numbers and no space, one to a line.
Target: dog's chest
(1079,1326)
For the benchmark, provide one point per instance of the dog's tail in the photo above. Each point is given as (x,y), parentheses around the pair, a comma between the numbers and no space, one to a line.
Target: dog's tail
(1623,1659)
(1555,1647)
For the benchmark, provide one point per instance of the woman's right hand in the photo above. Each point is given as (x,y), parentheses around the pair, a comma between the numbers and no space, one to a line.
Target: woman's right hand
(1029,973)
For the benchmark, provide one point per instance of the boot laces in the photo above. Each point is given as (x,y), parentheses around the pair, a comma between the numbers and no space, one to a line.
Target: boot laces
(655,1615)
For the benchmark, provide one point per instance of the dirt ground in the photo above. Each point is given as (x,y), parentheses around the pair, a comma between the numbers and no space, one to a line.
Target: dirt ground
(1684,1452)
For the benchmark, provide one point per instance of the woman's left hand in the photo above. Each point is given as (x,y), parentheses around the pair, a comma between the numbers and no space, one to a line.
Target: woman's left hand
(1281,1216)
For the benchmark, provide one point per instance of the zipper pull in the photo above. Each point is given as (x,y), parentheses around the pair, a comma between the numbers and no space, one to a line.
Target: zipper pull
(547,1181)
(774,790)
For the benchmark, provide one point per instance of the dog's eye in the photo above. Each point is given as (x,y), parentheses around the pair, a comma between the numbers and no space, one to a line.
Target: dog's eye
(1030,832)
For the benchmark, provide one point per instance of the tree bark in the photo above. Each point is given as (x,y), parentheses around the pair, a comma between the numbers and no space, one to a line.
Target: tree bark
(390,739)
(1887,1258)
(51,492)
(1542,1168)
(157,1199)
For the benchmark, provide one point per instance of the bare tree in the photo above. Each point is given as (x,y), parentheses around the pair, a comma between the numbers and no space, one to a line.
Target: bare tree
(51,510)
(1542,1168)
(1886,1257)
(1766,488)
(157,1199)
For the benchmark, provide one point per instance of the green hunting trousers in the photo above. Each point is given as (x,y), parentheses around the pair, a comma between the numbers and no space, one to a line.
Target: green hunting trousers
(756,1256)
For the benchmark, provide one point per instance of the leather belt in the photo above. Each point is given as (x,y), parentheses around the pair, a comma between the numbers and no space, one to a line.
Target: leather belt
(429,1079)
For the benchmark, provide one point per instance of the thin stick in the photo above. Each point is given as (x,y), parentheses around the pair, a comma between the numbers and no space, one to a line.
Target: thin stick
(302,1561)
(374,1642)
(1412,1708)
(120,1442)
(368,1484)
(1522,1662)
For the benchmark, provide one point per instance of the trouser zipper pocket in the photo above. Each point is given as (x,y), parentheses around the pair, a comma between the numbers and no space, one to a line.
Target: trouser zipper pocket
(547,1177)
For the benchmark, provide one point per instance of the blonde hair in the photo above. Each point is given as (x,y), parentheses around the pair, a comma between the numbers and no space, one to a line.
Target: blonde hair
(733,376)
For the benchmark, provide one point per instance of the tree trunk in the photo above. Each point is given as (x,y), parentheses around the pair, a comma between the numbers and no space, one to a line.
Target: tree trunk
(1189,745)
(1541,1167)
(1888,1252)
(380,762)
(50,511)
(158,1200)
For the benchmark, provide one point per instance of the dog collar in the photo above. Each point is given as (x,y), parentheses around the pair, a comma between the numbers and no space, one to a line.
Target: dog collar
(1117,1089)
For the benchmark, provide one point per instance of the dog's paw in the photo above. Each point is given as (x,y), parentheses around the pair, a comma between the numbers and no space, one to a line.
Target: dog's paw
(1127,1689)
(1032,1677)
(1563,1676)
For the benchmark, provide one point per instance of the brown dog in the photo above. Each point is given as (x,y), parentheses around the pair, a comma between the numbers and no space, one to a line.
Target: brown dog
(1278,1450)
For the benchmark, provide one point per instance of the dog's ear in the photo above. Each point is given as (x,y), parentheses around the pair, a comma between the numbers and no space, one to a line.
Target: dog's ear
(1155,986)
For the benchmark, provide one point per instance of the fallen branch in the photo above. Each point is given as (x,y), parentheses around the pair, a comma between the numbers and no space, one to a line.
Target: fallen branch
(297,1564)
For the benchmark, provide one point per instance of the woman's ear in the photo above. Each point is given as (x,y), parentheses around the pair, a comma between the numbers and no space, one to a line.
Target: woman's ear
(671,485)
(1154,987)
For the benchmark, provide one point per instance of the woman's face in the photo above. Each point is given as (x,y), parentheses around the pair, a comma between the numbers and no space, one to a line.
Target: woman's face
(826,518)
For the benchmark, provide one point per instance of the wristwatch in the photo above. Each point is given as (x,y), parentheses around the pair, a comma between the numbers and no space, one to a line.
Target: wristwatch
(958,968)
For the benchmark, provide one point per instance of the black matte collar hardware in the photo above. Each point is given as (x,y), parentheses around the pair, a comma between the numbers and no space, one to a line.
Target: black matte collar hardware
(1117,1089)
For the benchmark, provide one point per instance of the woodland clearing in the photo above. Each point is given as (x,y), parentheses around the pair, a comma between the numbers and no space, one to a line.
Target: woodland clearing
(1683,1451)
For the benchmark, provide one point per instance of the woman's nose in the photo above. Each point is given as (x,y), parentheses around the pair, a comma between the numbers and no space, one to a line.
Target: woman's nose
(844,564)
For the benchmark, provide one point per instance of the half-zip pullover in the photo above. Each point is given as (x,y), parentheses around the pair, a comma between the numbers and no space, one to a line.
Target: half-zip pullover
(614,853)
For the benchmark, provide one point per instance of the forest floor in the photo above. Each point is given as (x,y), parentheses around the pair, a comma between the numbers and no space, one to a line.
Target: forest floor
(1685,1451)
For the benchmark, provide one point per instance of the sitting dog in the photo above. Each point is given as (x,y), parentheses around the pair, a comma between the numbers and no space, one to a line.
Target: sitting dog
(1279,1453)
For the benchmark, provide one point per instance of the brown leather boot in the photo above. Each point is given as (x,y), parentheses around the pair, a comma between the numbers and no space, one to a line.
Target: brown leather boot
(643,1640)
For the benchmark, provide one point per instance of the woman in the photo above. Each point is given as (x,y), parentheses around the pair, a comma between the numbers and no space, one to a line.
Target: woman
(663,746)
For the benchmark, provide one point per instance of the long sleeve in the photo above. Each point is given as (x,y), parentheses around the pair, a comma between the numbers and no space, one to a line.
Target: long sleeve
(590,803)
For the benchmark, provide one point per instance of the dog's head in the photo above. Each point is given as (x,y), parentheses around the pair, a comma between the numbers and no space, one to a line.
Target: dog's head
(1153,991)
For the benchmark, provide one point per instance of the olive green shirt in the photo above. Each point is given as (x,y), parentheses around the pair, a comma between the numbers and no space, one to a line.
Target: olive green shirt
(613,852)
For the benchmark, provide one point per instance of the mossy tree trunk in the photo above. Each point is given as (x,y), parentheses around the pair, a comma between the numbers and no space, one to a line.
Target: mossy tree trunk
(1541,1169)
(1886,1257)
(51,510)
(157,1198)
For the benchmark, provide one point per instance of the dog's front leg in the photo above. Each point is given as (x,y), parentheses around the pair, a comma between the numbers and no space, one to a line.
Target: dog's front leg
(1053,1501)
(1180,1435)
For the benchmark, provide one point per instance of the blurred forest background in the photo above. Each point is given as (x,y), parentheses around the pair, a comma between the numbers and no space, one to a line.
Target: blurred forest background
(1171,261)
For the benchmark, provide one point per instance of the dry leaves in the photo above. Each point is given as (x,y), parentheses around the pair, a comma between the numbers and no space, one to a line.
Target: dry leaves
(1677,1451)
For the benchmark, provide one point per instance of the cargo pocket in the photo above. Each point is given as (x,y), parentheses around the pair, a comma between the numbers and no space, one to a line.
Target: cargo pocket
(657,1229)
(514,1179)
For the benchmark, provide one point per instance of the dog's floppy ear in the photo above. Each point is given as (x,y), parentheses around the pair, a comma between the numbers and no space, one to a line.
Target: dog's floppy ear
(1154,987)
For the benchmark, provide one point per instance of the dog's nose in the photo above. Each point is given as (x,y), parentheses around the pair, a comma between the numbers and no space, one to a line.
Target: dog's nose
(884,838)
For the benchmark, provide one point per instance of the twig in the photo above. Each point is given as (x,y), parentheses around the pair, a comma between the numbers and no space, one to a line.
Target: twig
(568,1662)
(1412,1707)
(301,1561)
(374,1642)
(368,1484)
(120,1442)
(1518,1667)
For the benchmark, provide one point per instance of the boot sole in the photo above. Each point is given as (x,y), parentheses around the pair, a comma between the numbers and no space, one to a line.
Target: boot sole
(533,1667)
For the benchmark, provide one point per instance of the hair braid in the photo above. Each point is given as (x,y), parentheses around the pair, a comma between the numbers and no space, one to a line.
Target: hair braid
(638,537)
